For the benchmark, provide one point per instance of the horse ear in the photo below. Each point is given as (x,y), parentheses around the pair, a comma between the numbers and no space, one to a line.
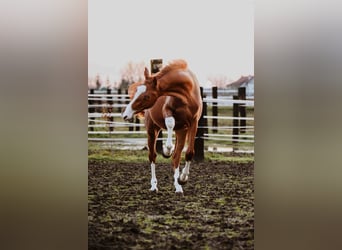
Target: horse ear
(146,73)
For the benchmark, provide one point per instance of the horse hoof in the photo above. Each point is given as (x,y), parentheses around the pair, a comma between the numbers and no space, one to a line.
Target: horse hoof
(182,182)
(154,190)
(179,193)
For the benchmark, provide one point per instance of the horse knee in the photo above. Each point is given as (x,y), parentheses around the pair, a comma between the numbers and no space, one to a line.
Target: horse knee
(170,122)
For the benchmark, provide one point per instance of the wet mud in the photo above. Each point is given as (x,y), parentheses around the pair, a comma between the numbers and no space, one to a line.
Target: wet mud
(215,212)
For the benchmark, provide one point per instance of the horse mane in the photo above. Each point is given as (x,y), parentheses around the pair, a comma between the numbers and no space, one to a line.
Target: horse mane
(173,65)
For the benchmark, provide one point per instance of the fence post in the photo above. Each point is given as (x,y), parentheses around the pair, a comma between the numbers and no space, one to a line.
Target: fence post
(91,110)
(199,141)
(156,65)
(110,109)
(137,123)
(242,109)
(235,121)
(215,110)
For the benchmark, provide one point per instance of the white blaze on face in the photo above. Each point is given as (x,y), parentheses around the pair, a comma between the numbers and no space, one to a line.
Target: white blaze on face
(129,112)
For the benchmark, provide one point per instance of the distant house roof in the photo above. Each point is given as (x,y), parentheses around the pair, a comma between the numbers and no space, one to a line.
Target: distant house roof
(243,80)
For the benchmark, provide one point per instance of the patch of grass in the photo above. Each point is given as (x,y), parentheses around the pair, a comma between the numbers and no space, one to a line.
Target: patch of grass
(132,156)
(228,157)
(220,201)
(124,156)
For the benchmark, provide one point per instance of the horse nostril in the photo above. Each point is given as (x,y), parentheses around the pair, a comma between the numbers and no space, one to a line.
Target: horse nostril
(125,117)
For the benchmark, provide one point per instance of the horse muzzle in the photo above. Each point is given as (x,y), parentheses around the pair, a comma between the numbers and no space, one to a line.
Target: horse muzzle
(127,114)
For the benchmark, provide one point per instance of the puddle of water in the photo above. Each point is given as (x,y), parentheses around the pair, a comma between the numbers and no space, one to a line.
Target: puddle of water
(230,149)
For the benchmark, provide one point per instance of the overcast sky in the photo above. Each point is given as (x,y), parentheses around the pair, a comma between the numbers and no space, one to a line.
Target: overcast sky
(216,37)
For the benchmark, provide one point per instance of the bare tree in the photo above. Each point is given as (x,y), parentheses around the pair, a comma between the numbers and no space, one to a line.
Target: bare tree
(219,81)
(132,72)
(98,81)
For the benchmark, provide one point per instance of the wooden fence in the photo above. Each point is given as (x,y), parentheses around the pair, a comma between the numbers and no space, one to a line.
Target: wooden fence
(226,120)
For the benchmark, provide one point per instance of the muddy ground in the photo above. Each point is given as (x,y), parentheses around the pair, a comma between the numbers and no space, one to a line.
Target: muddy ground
(215,212)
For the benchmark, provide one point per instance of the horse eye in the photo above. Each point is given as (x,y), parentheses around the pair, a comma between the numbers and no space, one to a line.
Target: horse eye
(146,97)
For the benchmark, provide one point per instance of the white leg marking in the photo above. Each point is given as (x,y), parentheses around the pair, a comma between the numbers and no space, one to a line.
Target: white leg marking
(185,172)
(170,124)
(153,178)
(178,187)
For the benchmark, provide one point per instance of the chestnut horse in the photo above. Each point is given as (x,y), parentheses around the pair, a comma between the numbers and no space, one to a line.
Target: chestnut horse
(170,100)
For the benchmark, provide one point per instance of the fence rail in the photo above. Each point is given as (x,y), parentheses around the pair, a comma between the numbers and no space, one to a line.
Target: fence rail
(228,121)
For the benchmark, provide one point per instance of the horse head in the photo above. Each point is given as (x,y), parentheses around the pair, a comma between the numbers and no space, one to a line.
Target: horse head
(143,96)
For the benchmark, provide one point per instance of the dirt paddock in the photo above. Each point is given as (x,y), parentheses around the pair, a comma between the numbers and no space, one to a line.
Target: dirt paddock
(215,212)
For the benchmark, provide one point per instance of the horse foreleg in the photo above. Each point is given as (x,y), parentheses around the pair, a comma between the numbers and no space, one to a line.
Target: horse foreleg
(180,142)
(152,136)
(170,124)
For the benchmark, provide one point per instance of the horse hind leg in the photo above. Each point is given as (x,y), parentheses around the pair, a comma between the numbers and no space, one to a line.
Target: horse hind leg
(184,176)
(169,147)
(154,181)
(178,187)
(180,142)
